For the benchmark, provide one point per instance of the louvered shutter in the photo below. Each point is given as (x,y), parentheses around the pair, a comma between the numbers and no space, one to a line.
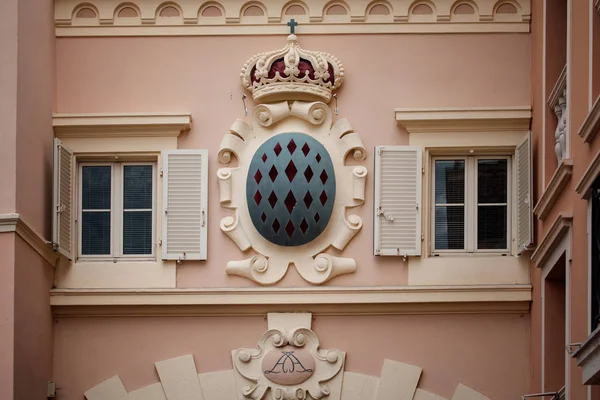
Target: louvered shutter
(524,211)
(62,200)
(185,204)
(398,184)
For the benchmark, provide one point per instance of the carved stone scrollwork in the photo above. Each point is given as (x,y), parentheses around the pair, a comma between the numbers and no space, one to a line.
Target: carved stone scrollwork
(561,133)
(288,365)
(291,191)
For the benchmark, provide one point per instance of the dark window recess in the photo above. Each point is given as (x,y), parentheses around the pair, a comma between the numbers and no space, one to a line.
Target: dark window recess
(595,248)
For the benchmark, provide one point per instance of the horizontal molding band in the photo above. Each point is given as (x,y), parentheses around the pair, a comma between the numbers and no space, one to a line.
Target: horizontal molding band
(120,125)
(14,223)
(555,187)
(239,17)
(331,301)
(446,120)
(320,29)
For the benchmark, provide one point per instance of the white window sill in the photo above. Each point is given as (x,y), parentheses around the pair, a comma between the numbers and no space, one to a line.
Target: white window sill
(469,269)
(122,274)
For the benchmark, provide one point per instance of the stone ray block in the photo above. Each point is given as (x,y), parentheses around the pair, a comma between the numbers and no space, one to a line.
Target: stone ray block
(466,393)
(150,392)
(110,389)
(218,385)
(398,381)
(421,394)
(179,378)
(359,387)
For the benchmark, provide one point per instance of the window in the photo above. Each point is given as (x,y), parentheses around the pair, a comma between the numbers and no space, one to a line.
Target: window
(471,204)
(116,210)
(108,211)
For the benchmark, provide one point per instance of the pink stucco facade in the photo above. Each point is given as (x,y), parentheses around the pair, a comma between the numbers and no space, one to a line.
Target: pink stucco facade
(460,80)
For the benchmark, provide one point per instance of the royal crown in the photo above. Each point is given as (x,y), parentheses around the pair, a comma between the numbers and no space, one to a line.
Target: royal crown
(292,73)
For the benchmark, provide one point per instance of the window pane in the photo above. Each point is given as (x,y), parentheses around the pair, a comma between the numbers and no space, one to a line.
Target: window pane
(492,181)
(96,187)
(137,187)
(449,181)
(449,227)
(95,233)
(137,232)
(491,227)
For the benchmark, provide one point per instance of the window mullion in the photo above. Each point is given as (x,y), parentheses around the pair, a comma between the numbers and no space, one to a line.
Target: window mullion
(471,204)
(118,211)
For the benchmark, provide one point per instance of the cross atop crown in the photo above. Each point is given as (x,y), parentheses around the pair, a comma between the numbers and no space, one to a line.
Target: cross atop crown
(292,24)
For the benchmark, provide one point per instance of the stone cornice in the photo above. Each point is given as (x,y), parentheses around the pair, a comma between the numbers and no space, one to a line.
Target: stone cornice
(446,120)
(325,300)
(589,176)
(14,223)
(557,231)
(239,17)
(588,357)
(557,183)
(557,90)
(120,125)
(591,125)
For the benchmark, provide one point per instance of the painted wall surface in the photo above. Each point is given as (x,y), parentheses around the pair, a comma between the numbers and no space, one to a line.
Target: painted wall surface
(7,316)
(36,79)
(200,75)
(8,104)
(449,348)
(33,341)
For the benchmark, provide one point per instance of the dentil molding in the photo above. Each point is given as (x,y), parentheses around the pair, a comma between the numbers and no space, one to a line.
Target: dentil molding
(287,364)
(241,17)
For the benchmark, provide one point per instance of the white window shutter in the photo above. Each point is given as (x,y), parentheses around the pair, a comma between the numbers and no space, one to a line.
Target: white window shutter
(184,204)
(398,189)
(524,206)
(62,200)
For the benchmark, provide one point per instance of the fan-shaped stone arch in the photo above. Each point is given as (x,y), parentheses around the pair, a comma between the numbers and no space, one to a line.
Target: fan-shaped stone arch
(336,11)
(127,14)
(179,380)
(464,11)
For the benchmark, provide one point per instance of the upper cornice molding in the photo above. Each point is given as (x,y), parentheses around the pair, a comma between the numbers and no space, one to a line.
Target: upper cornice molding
(559,228)
(555,187)
(446,120)
(120,125)
(240,17)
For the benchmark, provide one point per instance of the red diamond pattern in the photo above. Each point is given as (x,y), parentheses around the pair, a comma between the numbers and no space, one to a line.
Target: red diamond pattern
(292,146)
(273,173)
(264,157)
(308,199)
(318,158)
(305,149)
(308,173)
(290,202)
(258,176)
(257,198)
(291,171)
(323,197)
(276,225)
(263,217)
(289,229)
(323,177)
(277,149)
(303,226)
(317,217)
(273,199)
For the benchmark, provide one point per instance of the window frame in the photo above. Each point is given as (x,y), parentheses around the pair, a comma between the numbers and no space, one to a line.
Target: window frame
(117,209)
(471,204)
